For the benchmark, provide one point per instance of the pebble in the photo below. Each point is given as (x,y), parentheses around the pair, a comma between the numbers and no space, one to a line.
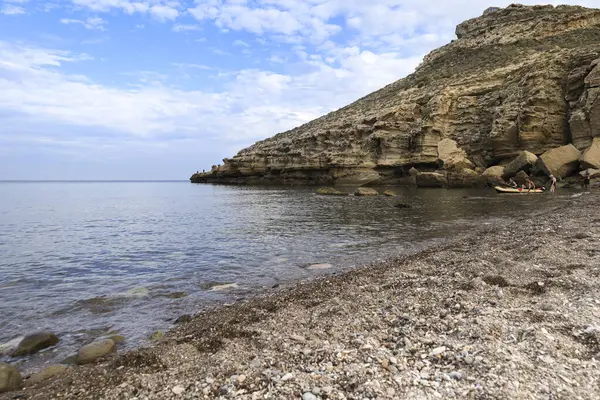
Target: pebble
(241,378)
(309,396)
(178,389)
(287,377)
(455,375)
(438,350)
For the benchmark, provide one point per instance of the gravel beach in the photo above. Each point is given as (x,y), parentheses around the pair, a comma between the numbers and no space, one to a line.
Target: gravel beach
(508,312)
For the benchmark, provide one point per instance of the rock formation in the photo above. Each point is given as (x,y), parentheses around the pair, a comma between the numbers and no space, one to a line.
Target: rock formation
(516,79)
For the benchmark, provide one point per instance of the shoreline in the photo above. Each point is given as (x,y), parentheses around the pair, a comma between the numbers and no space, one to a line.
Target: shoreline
(423,326)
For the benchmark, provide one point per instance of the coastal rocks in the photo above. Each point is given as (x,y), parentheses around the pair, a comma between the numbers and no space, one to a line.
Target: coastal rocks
(322,266)
(358,178)
(525,161)
(402,205)
(329,191)
(466,178)
(591,156)
(226,286)
(34,343)
(493,175)
(94,351)
(432,179)
(10,346)
(47,373)
(590,173)
(183,319)
(389,193)
(561,162)
(452,157)
(10,378)
(366,192)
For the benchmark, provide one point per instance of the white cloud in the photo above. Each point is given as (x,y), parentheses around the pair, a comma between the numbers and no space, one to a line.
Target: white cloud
(161,10)
(9,9)
(92,23)
(164,13)
(185,28)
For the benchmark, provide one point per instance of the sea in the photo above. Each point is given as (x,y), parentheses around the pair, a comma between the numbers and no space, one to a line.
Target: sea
(88,259)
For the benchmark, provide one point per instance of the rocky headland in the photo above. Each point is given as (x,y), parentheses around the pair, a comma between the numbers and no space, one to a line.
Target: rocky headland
(515,79)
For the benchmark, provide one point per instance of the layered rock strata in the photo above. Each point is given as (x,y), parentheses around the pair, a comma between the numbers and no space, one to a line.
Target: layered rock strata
(516,79)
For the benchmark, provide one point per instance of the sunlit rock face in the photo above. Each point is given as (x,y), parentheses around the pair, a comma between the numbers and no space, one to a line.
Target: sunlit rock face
(518,78)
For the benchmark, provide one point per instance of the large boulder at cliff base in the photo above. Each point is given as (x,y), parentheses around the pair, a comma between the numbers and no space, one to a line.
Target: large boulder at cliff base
(34,343)
(329,191)
(10,378)
(591,156)
(94,351)
(521,178)
(493,175)
(432,180)
(366,192)
(453,157)
(560,162)
(525,161)
(357,178)
(466,178)
(47,373)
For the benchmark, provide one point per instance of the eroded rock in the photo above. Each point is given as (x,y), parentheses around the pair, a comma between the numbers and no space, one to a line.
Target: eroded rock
(525,161)
(591,156)
(47,373)
(432,179)
(561,162)
(366,192)
(329,191)
(34,343)
(10,378)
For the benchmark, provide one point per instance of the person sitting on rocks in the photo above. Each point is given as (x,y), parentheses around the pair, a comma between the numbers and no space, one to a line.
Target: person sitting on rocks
(512,183)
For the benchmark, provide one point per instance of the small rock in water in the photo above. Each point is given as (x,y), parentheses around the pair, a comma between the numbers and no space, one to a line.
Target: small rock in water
(225,287)
(178,389)
(320,266)
(34,343)
(10,346)
(389,193)
(137,292)
(157,335)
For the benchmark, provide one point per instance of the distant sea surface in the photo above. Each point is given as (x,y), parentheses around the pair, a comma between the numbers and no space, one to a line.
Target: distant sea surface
(83,259)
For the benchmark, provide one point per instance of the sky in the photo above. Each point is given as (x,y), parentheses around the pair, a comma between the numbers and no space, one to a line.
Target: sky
(157,89)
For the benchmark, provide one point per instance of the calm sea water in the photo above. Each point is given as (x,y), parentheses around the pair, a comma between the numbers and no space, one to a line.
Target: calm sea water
(86,258)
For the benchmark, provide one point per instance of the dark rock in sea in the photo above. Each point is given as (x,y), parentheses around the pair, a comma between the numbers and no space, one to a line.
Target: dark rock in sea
(94,351)
(329,191)
(402,205)
(366,192)
(183,319)
(34,343)
(10,378)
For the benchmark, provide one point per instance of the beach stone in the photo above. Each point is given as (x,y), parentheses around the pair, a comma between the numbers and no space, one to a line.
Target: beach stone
(10,346)
(560,162)
(389,193)
(329,191)
(525,161)
(157,335)
(309,396)
(34,343)
(47,373)
(183,319)
(10,378)
(455,375)
(178,389)
(365,192)
(95,350)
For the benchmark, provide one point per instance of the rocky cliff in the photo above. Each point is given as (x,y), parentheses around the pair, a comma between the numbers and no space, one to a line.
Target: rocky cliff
(518,78)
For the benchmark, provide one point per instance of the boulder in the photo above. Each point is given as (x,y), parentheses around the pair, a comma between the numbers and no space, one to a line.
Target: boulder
(366,192)
(560,162)
(525,161)
(10,378)
(413,172)
(452,156)
(465,178)
(493,175)
(432,179)
(47,373)
(183,319)
(34,343)
(95,350)
(389,193)
(10,346)
(591,173)
(591,156)
(358,178)
(521,178)
(329,191)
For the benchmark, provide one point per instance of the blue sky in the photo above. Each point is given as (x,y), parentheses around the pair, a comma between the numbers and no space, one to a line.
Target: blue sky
(157,89)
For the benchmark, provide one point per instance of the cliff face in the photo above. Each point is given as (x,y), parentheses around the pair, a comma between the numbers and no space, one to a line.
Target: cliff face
(519,78)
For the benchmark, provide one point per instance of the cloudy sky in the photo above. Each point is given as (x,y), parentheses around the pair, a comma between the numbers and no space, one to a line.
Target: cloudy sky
(156,89)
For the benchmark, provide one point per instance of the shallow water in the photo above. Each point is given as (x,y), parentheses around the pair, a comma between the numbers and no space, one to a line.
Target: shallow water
(87,258)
